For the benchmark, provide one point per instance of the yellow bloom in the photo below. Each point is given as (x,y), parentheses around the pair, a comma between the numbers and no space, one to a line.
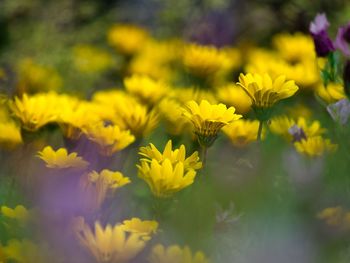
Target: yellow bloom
(110,244)
(145,88)
(209,119)
(332,215)
(90,59)
(314,146)
(10,134)
(172,114)
(127,39)
(136,225)
(204,60)
(61,159)
(25,251)
(233,95)
(331,93)
(184,95)
(281,126)
(95,187)
(110,138)
(165,179)
(19,213)
(241,132)
(34,111)
(264,91)
(176,254)
(178,155)
(34,77)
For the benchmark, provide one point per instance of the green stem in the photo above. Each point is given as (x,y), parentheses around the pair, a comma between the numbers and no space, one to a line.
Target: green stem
(204,154)
(261,123)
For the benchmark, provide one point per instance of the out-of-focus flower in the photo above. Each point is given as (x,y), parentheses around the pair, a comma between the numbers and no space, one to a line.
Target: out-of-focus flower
(145,88)
(19,213)
(208,119)
(264,91)
(282,125)
(90,59)
(10,134)
(61,159)
(144,228)
(176,254)
(332,215)
(175,156)
(342,40)
(340,111)
(318,29)
(109,138)
(226,217)
(204,61)
(25,251)
(111,244)
(34,111)
(34,77)
(241,132)
(294,48)
(165,179)
(314,146)
(171,112)
(127,39)
(330,93)
(95,187)
(197,94)
(233,95)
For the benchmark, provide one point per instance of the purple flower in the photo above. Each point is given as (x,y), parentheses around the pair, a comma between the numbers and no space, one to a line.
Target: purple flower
(343,39)
(297,133)
(318,30)
(340,111)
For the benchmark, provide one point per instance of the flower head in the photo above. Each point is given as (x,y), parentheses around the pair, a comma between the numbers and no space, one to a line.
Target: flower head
(110,243)
(25,251)
(318,30)
(10,134)
(19,213)
(340,111)
(178,155)
(265,92)
(109,138)
(165,179)
(176,254)
(208,119)
(136,225)
(314,146)
(95,187)
(330,93)
(61,159)
(241,132)
(233,95)
(342,40)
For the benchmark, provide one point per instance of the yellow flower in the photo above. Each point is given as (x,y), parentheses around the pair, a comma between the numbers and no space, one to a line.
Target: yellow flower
(25,251)
(208,119)
(281,126)
(19,213)
(330,93)
(110,138)
(61,159)
(197,94)
(10,134)
(95,187)
(110,244)
(34,77)
(233,95)
(204,60)
(295,47)
(165,179)
(332,215)
(34,111)
(314,146)
(136,225)
(263,91)
(242,132)
(90,59)
(176,254)
(178,155)
(145,88)
(171,112)
(127,39)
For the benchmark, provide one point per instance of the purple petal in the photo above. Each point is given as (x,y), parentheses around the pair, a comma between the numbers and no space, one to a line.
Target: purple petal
(319,24)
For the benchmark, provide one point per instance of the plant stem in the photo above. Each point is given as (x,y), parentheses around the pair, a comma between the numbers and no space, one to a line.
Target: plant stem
(261,123)
(204,154)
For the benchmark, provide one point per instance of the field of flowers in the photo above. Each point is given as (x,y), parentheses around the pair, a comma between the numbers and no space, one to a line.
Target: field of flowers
(128,142)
